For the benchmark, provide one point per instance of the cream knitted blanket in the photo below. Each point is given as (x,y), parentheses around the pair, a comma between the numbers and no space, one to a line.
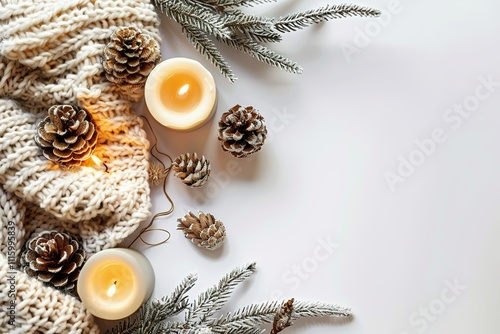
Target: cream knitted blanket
(50,53)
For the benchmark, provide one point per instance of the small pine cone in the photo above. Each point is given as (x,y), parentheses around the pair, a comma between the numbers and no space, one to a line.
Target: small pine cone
(157,173)
(54,258)
(242,131)
(282,318)
(203,230)
(67,136)
(130,56)
(191,170)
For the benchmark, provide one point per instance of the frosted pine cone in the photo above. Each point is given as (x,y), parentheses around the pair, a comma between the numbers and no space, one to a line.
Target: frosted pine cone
(130,56)
(203,230)
(193,171)
(242,131)
(67,136)
(54,258)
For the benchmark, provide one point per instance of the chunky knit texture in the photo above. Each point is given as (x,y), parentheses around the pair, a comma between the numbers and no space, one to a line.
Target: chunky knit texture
(50,53)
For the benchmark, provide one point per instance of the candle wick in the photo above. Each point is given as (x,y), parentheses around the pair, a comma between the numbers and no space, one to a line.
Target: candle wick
(115,282)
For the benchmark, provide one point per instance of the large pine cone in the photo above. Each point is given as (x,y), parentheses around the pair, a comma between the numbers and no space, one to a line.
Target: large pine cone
(191,170)
(130,56)
(242,131)
(203,230)
(54,258)
(67,136)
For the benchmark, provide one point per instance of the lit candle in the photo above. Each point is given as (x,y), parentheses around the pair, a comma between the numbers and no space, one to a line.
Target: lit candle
(181,94)
(115,282)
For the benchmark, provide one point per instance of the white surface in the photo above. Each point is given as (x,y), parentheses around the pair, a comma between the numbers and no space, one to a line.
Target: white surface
(321,175)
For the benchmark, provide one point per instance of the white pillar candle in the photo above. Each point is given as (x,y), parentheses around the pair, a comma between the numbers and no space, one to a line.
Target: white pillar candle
(115,282)
(181,94)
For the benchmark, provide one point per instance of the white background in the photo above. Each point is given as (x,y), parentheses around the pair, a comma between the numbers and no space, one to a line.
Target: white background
(335,132)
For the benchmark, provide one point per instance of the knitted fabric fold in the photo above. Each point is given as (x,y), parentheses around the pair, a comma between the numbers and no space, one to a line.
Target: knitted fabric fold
(50,53)
(26,305)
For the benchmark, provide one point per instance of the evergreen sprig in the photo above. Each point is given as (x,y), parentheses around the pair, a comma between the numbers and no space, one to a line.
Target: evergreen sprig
(206,47)
(153,317)
(263,54)
(196,17)
(214,298)
(222,20)
(297,21)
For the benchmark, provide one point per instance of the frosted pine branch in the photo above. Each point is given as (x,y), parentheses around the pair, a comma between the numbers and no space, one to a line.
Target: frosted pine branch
(315,309)
(248,318)
(257,314)
(206,47)
(214,298)
(178,301)
(239,22)
(154,313)
(301,20)
(152,318)
(222,5)
(199,18)
(205,20)
(250,27)
(247,3)
(264,54)
(263,36)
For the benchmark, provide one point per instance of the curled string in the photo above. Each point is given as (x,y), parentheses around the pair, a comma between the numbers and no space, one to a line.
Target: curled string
(148,228)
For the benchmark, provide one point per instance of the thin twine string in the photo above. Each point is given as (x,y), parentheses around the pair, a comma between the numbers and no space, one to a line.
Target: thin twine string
(148,228)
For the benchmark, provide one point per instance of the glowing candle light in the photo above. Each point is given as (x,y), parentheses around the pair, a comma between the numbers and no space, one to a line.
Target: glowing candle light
(181,94)
(99,163)
(114,283)
(112,289)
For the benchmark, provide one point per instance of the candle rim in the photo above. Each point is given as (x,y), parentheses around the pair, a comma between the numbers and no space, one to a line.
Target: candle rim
(174,119)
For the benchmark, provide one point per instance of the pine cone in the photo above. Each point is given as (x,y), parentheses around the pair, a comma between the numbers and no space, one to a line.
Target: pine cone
(192,171)
(54,258)
(157,173)
(204,230)
(67,136)
(242,131)
(283,317)
(130,56)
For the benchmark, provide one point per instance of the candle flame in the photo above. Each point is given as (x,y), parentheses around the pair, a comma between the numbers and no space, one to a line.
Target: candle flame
(99,163)
(183,90)
(112,290)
